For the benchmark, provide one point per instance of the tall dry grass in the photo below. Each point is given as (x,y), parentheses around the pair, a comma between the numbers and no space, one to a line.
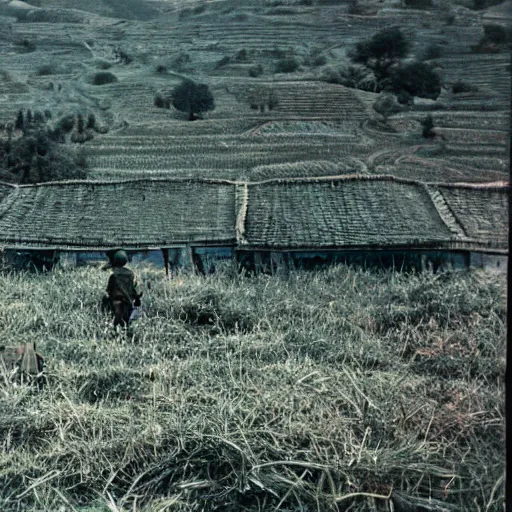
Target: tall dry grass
(334,390)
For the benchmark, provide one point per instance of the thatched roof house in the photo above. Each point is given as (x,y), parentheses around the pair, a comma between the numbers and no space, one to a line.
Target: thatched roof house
(133,214)
(348,212)
(374,212)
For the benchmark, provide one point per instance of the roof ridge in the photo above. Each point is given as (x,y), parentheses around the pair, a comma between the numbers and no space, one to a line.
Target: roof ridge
(498,185)
(242,215)
(445,212)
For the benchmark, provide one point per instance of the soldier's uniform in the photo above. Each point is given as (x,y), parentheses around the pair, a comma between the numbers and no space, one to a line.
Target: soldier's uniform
(122,289)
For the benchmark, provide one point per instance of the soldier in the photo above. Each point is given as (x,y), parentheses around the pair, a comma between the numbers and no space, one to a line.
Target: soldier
(122,289)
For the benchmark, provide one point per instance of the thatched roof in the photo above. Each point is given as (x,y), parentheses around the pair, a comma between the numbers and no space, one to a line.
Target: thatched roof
(138,213)
(375,211)
(347,211)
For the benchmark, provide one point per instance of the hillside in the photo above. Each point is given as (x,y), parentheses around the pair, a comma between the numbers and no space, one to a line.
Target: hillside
(51,54)
(334,390)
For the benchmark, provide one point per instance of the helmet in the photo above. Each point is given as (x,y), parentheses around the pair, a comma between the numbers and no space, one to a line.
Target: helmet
(120,259)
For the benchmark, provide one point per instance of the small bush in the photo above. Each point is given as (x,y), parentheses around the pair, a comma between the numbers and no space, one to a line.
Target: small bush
(427,125)
(66,123)
(418,79)
(47,69)
(449,18)
(461,86)
(222,62)
(241,55)
(102,64)
(161,69)
(319,60)
(26,46)
(199,9)
(355,8)
(287,65)
(162,101)
(181,61)
(331,75)
(255,71)
(91,122)
(496,34)
(433,51)
(123,56)
(103,78)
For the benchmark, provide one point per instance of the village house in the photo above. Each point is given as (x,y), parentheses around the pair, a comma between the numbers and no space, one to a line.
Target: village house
(267,225)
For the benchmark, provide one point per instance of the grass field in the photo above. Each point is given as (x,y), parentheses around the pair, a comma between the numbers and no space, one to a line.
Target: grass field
(340,389)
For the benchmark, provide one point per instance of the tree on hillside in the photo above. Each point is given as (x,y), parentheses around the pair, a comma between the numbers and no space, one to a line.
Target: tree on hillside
(386,105)
(37,156)
(382,51)
(416,79)
(192,98)
(262,96)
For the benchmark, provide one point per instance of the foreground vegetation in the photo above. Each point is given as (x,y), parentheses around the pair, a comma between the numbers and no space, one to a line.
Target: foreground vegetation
(335,390)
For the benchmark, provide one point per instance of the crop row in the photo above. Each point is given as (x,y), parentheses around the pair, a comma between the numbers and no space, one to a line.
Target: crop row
(176,146)
(227,160)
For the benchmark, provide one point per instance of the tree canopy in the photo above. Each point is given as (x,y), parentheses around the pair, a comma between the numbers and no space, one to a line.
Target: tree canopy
(417,79)
(382,51)
(192,98)
(33,154)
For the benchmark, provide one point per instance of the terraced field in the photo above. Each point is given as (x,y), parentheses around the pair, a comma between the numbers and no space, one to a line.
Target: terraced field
(326,125)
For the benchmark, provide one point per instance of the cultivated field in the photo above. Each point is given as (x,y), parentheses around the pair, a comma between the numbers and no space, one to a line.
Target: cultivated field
(336,390)
(191,39)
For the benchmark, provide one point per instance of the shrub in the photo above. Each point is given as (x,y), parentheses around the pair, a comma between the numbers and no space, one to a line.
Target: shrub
(355,8)
(433,51)
(359,77)
(241,55)
(123,56)
(19,123)
(427,125)
(161,69)
(91,122)
(331,75)
(199,9)
(181,61)
(460,86)
(37,156)
(222,62)
(102,64)
(26,46)
(66,123)
(103,78)
(287,65)
(386,105)
(192,98)
(256,70)
(162,101)
(319,60)
(47,69)
(418,79)
(449,18)
(382,52)
(496,34)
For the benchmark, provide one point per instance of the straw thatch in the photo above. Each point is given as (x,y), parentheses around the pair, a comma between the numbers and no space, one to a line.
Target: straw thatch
(143,213)
(330,212)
